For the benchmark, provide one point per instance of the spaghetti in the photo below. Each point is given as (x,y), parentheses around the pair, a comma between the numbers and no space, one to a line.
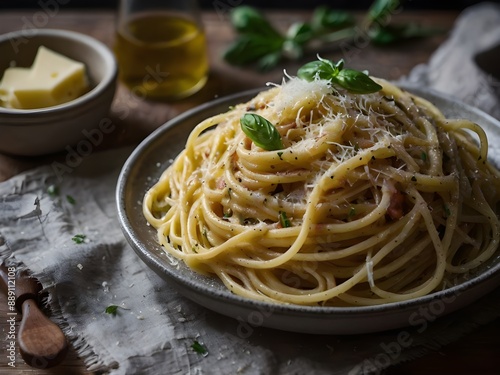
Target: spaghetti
(373,198)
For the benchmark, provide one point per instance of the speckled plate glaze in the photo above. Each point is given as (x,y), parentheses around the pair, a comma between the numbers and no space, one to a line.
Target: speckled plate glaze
(155,153)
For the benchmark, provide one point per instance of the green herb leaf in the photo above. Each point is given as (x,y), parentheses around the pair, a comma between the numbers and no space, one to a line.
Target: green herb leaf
(261,132)
(356,82)
(199,348)
(111,310)
(352,212)
(79,238)
(322,69)
(264,45)
(325,18)
(248,20)
(250,48)
(258,41)
(284,221)
(381,8)
(228,214)
(395,33)
(53,190)
(300,33)
(70,199)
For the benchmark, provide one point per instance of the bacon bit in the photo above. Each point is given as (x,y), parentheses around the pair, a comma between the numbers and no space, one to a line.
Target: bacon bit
(248,143)
(220,184)
(218,210)
(395,209)
(260,105)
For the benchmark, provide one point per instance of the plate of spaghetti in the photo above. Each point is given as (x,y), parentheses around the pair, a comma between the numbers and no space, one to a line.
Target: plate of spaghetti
(333,203)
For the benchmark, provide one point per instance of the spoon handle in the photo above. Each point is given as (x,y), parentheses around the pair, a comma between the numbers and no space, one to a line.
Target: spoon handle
(41,342)
(25,287)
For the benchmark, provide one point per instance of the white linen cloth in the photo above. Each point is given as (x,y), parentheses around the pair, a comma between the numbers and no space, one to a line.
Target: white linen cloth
(155,327)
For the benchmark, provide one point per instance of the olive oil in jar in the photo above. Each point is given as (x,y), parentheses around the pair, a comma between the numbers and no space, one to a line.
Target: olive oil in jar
(161,56)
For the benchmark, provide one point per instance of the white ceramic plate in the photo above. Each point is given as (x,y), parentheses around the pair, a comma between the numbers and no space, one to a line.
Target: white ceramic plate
(155,153)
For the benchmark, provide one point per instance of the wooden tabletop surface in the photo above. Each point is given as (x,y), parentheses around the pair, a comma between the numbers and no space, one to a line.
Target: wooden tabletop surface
(474,354)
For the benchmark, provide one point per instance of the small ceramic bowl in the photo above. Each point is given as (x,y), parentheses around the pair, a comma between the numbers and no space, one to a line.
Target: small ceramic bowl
(47,130)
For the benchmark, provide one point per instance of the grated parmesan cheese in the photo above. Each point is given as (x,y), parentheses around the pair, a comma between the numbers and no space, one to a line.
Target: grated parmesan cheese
(295,93)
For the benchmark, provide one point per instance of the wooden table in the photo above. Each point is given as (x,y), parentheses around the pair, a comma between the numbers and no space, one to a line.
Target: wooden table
(474,354)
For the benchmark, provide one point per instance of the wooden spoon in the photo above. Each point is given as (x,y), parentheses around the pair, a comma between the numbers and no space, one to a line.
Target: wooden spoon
(41,342)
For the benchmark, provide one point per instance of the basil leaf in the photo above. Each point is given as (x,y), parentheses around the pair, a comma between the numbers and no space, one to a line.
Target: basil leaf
(300,33)
(356,82)
(381,8)
(261,132)
(249,48)
(352,80)
(248,20)
(322,69)
(395,33)
(326,18)
(338,66)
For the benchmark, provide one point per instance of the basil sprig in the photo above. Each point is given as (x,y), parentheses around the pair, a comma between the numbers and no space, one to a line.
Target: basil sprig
(259,42)
(261,132)
(353,80)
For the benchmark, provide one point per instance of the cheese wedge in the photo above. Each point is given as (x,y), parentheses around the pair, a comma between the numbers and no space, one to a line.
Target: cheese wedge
(9,81)
(52,80)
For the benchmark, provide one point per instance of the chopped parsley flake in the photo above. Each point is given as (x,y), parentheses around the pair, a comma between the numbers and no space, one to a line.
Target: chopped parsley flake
(228,214)
(199,348)
(79,238)
(352,211)
(53,190)
(284,221)
(70,199)
(111,310)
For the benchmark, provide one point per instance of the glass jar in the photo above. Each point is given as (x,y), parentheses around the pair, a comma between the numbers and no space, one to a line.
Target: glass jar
(161,48)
